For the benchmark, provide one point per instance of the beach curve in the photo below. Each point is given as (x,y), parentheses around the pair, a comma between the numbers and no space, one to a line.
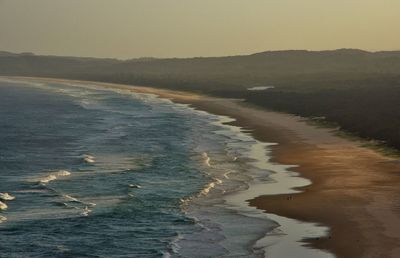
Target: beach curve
(353,190)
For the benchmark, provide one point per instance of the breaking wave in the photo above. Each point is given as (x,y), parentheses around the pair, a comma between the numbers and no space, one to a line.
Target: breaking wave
(6,197)
(54,176)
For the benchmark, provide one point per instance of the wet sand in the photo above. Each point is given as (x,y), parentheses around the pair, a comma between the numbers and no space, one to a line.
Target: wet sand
(355,190)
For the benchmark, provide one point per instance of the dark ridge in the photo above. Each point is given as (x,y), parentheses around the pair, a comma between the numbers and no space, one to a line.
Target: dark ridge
(355,89)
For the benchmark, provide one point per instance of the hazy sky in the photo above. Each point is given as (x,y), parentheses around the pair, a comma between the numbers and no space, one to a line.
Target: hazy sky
(168,28)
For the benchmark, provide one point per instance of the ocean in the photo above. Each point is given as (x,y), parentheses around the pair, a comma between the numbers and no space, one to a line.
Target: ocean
(99,172)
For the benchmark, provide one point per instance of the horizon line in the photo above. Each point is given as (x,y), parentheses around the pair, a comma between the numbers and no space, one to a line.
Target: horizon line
(28,53)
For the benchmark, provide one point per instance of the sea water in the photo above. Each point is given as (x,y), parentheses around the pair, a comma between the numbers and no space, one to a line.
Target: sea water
(100,172)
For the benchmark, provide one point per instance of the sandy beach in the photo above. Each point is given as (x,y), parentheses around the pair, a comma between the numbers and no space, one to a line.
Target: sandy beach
(354,189)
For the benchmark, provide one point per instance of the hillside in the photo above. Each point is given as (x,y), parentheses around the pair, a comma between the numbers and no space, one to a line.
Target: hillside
(274,67)
(357,90)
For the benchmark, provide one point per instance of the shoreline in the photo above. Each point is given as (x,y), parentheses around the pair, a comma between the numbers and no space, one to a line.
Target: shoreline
(354,190)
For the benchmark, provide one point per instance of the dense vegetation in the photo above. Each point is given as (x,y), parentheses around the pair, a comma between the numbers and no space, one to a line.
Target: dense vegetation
(369,112)
(357,90)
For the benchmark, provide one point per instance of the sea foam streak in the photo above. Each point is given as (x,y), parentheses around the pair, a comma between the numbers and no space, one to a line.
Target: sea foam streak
(76,204)
(224,219)
(206,159)
(54,176)
(86,211)
(88,159)
(73,199)
(6,197)
(3,206)
(134,186)
(2,219)
(222,202)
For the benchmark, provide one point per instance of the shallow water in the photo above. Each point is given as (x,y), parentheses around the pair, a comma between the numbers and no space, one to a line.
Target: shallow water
(109,173)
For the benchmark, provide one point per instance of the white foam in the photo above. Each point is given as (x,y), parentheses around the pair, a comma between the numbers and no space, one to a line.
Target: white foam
(210,186)
(88,159)
(63,173)
(47,179)
(2,219)
(6,197)
(73,199)
(226,175)
(206,159)
(3,206)
(280,181)
(174,246)
(54,176)
(256,186)
(70,198)
(251,174)
(86,211)
(134,186)
(75,203)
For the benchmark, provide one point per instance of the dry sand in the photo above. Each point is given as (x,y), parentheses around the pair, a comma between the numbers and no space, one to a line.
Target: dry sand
(355,190)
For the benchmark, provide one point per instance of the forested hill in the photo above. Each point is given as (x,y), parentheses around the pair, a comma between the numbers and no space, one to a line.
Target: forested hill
(358,90)
(275,67)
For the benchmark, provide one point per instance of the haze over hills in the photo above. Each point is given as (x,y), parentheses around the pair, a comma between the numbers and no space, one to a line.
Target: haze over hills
(355,89)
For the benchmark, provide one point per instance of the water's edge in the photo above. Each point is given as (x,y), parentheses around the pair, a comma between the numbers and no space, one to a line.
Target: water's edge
(229,201)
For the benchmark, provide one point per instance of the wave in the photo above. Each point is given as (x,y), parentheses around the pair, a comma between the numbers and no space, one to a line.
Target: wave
(3,206)
(206,158)
(2,219)
(173,247)
(75,200)
(54,176)
(226,174)
(134,186)
(88,159)
(47,179)
(86,211)
(6,197)
(70,198)
(219,213)
(210,186)
(247,172)
(83,208)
